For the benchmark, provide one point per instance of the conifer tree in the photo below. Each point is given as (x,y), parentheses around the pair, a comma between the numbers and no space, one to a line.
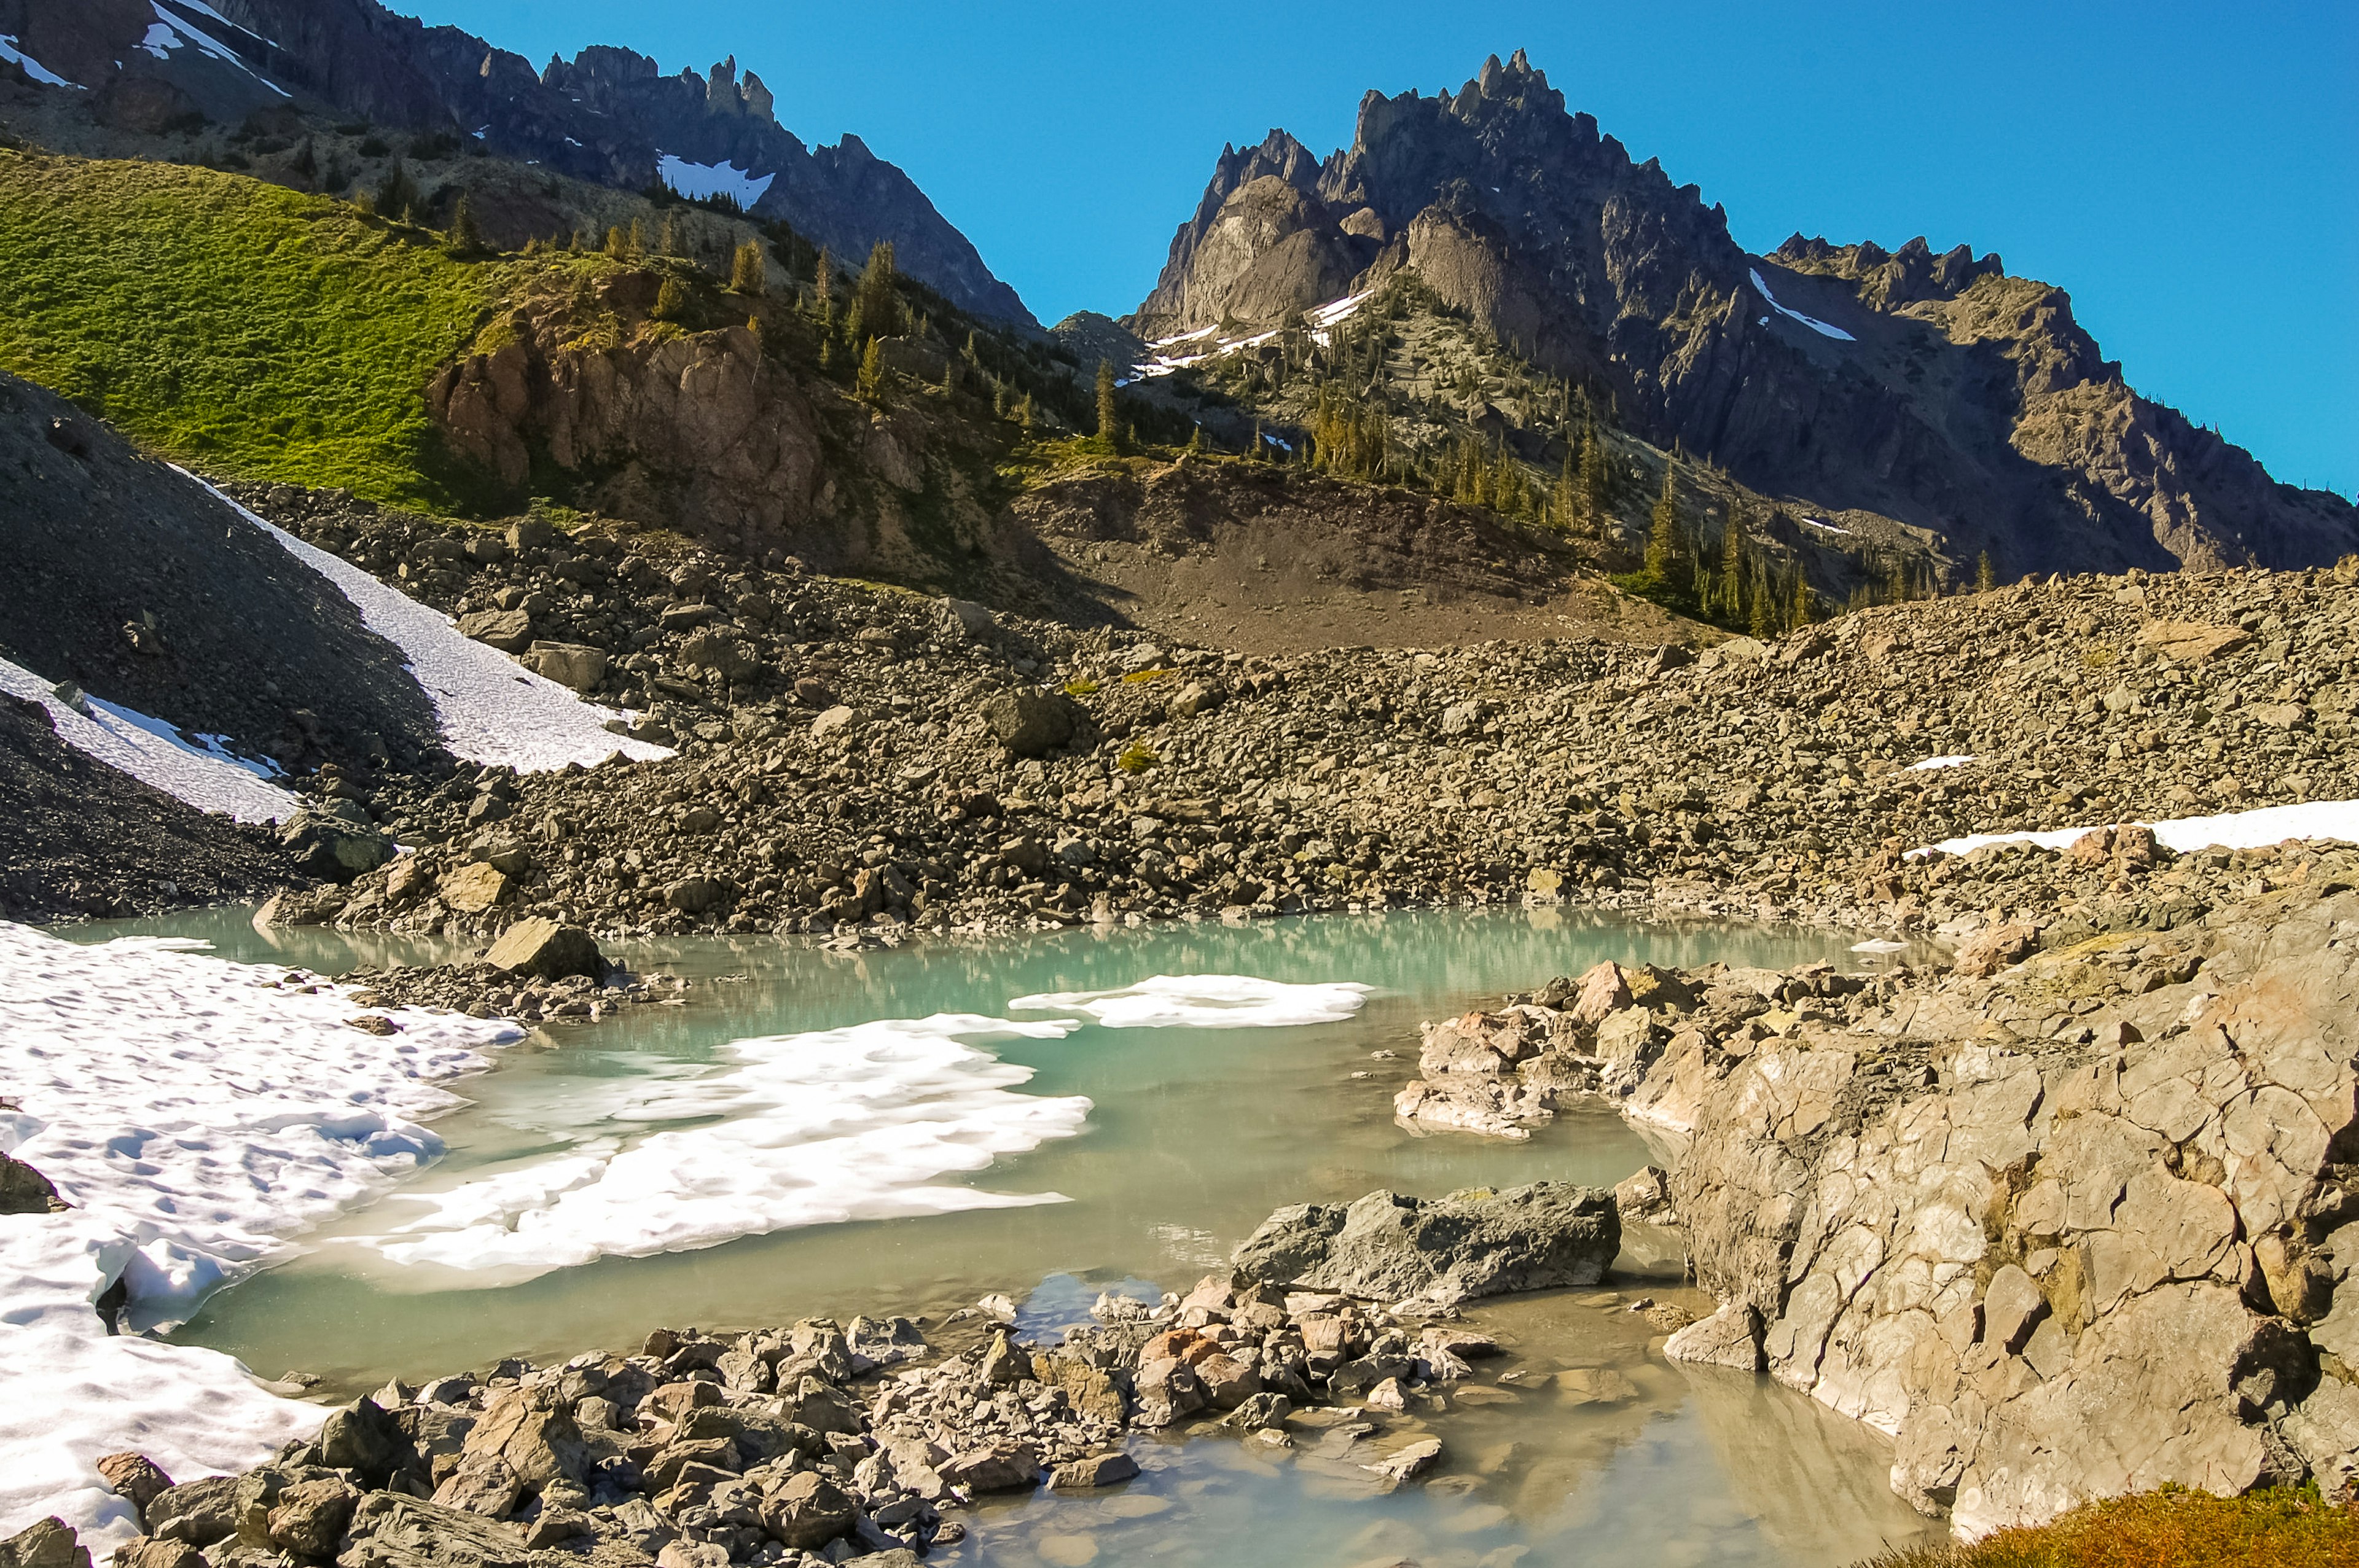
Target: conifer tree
(637,241)
(1732,564)
(1803,611)
(823,285)
(1757,619)
(671,301)
(999,397)
(748,272)
(1109,407)
(618,243)
(1596,480)
(1024,414)
(1564,504)
(466,238)
(876,300)
(1985,573)
(397,198)
(1664,551)
(667,237)
(871,384)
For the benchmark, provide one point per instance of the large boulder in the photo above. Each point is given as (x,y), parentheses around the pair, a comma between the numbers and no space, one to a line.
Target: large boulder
(808,1510)
(1388,1247)
(543,948)
(509,631)
(334,849)
(1029,723)
(391,1531)
(567,663)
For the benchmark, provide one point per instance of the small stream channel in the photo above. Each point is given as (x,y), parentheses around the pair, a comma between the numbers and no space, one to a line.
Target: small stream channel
(1197,1128)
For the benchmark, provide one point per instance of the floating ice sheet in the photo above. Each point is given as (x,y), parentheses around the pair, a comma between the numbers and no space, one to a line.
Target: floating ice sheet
(1207,1002)
(816,1129)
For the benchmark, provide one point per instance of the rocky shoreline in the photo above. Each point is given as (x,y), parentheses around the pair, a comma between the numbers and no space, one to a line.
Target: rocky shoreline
(2068,1217)
(865,763)
(1338,1333)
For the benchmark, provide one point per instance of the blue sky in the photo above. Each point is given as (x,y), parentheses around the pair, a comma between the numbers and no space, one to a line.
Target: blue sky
(2190,173)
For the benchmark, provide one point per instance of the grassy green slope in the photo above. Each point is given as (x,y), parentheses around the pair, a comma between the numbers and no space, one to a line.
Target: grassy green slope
(263,333)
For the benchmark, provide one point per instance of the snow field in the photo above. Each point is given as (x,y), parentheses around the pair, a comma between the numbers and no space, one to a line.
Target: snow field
(196,1113)
(1812,322)
(206,775)
(12,55)
(2253,830)
(700,180)
(492,709)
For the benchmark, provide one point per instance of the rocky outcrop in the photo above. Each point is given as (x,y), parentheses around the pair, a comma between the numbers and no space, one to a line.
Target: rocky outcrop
(1386,1246)
(1936,391)
(2074,1227)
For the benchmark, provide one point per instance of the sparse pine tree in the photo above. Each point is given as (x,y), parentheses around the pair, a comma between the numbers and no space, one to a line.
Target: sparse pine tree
(1805,608)
(1757,596)
(671,301)
(999,397)
(748,274)
(1597,481)
(667,237)
(1564,504)
(638,240)
(618,243)
(396,197)
(872,373)
(823,285)
(1732,564)
(1196,439)
(466,238)
(876,301)
(1664,543)
(1109,407)
(1985,573)
(1024,414)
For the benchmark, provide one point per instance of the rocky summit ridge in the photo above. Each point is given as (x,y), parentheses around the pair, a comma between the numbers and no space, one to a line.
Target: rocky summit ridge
(609,116)
(1935,390)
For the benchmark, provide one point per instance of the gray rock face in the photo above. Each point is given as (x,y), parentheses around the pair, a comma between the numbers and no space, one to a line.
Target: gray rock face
(335,849)
(2054,1262)
(567,663)
(45,1543)
(1477,1243)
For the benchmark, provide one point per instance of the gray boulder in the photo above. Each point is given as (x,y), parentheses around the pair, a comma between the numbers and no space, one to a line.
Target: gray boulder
(1029,723)
(334,849)
(509,631)
(45,1543)
(1480,1242)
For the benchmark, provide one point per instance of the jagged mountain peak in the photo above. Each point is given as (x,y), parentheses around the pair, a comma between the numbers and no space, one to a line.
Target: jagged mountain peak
(1930,388)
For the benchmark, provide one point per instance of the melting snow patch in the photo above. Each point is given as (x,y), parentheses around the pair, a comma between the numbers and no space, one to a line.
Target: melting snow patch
(1932,764)
(817,1128)
(169,32)
(2229,830)
(1337,310)
(33,67)
(205,775)
(196,1113)
(493,711)
(697,180)
(1825,527)
(1812,322)
(1207,1002)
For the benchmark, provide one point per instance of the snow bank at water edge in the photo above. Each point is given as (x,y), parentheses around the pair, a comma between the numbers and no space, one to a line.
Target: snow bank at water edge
(1207,1002)
(196,1113)
(2253,830)
(492,709)
(699,181)
(817,1128)
(206,775)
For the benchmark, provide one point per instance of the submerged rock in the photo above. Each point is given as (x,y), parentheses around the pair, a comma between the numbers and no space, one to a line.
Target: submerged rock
(1479,1242)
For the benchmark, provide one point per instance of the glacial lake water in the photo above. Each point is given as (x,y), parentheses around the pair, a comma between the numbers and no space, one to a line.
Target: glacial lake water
(1194,1132)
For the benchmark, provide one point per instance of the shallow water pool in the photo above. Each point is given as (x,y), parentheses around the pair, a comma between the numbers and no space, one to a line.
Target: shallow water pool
(594,1142)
